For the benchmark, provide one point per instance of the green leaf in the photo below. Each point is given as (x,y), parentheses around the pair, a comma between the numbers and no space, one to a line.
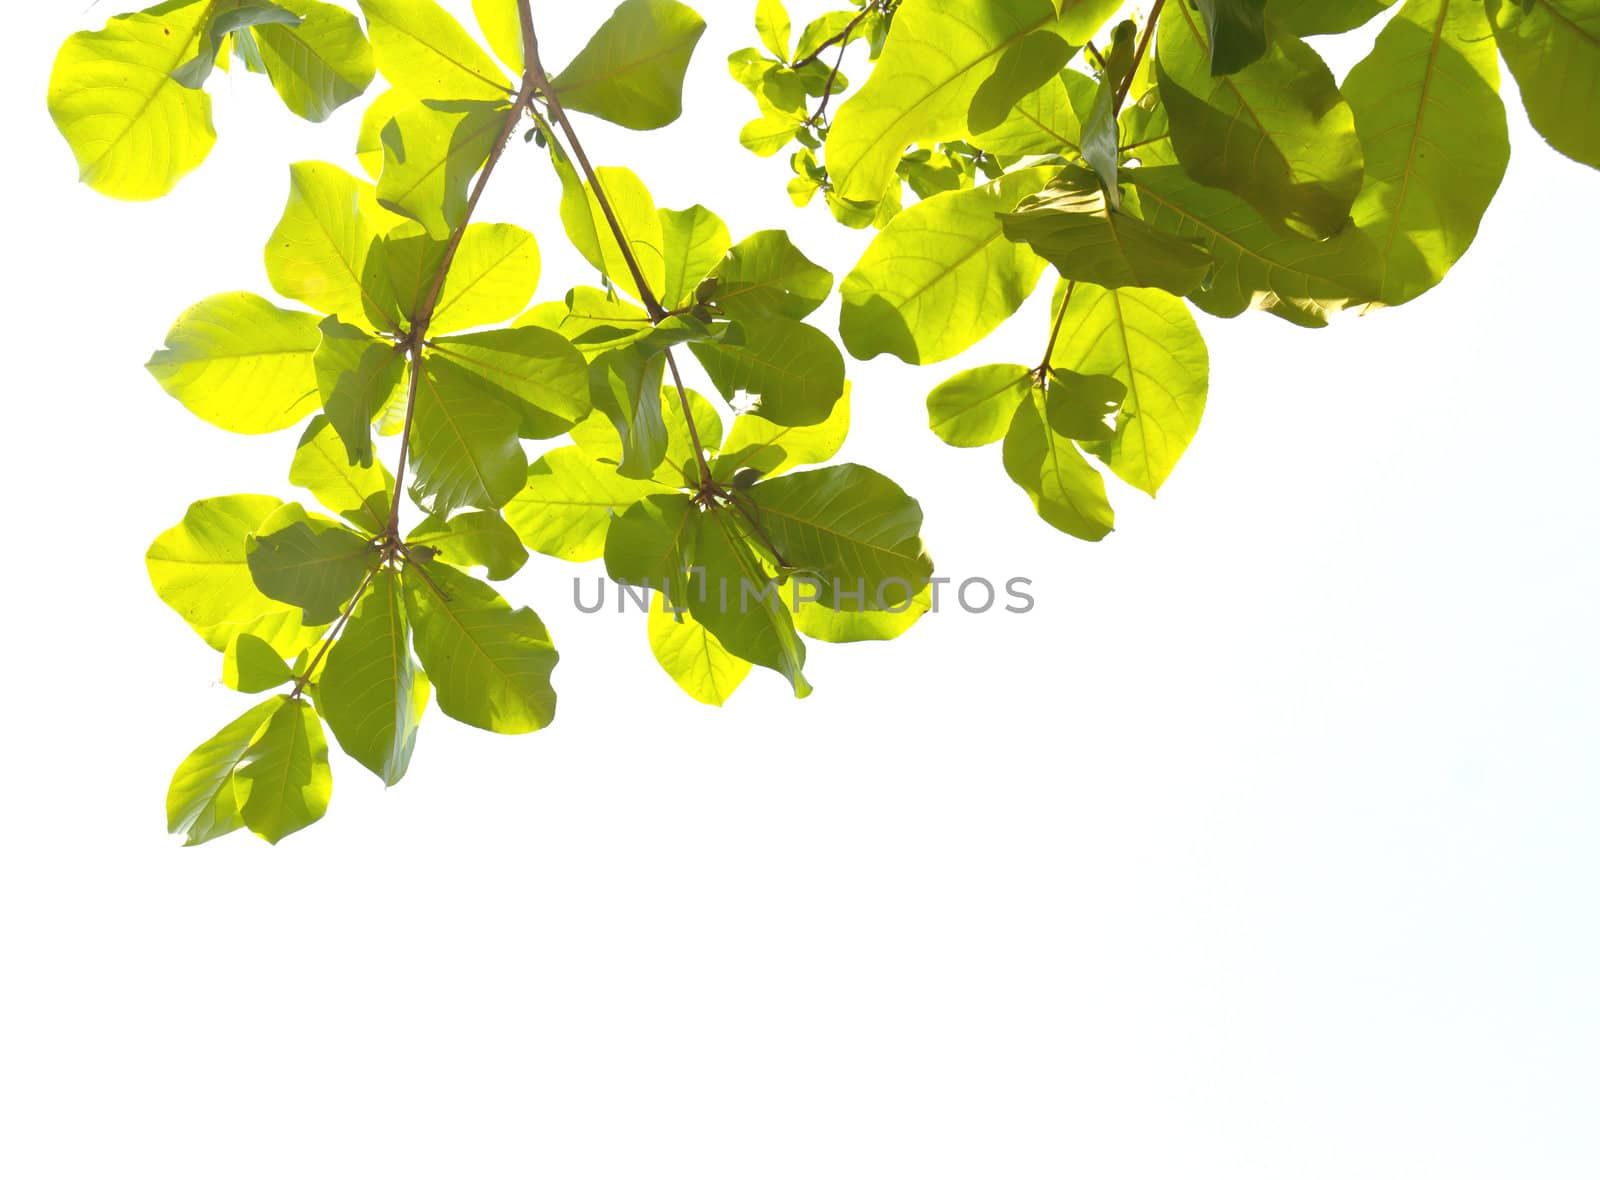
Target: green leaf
(631,71)
(422,49)
(1099,137)
(1066,491)
(568,502)
(1236,33)
(1083,406)
(1553,49)
(250,665)
(240,363)
(765,276)
(357,376)
(318,252)
(490,665)
(1306,18)
(319,64)
(371,692)
(694,241)
(531,370)
(652,544)
(359,494)
(1025,66)
(502,29)
(816,621)
(737,600)
(942,276)
(595,321)
(1276,133)
(974,408)
(1300,279)
(772,449)
(201,803)
(1072,226)
(283,783)
(306,562)
(463,441)
(695,658)
(431,152)
(625,385)
(472,539)
(598,439)
(823,30)
(134,131)
(794,370)
(772,26)
(199,569)
(939,53)
(1434,130)
(640,222)
(491,279)
(1148,342)
(1044,122)
(215,32)
(851,527)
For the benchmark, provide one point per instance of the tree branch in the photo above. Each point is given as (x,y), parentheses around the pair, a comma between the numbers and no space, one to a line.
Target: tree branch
(1138,56)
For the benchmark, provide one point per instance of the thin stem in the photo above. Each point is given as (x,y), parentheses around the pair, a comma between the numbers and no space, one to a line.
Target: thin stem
(827,88)
(333,634)
(1138,56)
(843,35)
(1043,371)
(652,304)
(417,334)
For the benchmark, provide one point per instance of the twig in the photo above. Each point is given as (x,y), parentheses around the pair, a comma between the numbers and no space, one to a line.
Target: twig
(1043,371)
(1138,56)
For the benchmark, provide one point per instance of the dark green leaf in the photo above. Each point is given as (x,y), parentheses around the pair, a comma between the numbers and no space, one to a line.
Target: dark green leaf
(1553,48)
(1066,491)
(473,539)
(371,693)
(305,562)
(464,441)
(283,783)
(765,275)
(793,370)
(357,376)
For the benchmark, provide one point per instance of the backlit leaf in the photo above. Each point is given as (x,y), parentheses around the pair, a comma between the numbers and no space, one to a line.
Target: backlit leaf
(766,275)
(306,562)
(319,64)
(631,71)
(693,657)
(371,692)
(422,49)
(201,804)
(794,371)
(734,597)
(283,783)
(974,408)
(318,252)
(431,152)
(322,467)
(473,539)
(567,504)
(1553,49)
(463,442)
(1067,492)
(531,370)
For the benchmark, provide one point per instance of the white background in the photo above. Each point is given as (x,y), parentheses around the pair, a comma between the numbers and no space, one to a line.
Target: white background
(1265,847)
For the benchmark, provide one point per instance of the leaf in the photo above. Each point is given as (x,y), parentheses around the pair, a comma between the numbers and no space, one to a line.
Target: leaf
(464,442)
(305,562)
(371,693)
(1553,49)
(1083,406)
(318,252)
(625,385)
(531,370)
(773,449)
(422,49)
(1305,18)
(823,30)
(356,376)
(942,276)
(491,278)
(490,665)
(816,621)
(1073,227)
(198,568)
(431,152)
(1300,279)
(772,26)
(594,321)
(201,803)
(134,131)
(1148,342)
(1066,491)
(651,544)
(939,53)
(1025,66)
(794,370)
(359,494)
(1236,33)
(739,603)
(765,276)
(1434,130)
(1276,133)
(319,64)
(974,408)
(1099,137)
(631,71)
(852,527)
(250,665)
(240,363)
(568,502)
(693,241)
(472,539)
(695,658)
(214,32)
(636,215)
(283,783)
(1044,122)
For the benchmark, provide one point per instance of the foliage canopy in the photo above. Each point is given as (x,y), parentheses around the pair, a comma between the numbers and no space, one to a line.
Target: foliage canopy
(1178,155)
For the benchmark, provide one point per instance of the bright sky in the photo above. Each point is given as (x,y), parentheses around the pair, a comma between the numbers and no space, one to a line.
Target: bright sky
(1264,847)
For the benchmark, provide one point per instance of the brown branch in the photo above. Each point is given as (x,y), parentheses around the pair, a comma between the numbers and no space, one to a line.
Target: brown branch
(652,305)
(842,36)
(1138,56)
